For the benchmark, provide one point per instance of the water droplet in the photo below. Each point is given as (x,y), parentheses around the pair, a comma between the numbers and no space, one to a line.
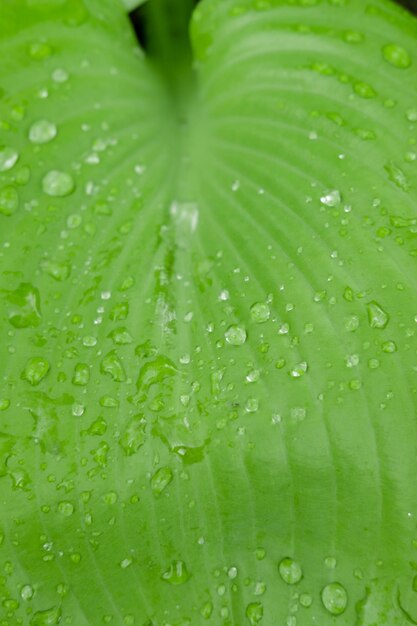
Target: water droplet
(112,365)
(330,562)
(8,158)
(252,405)
(39,50)
(377,317)
(260,312)
(57,271)
(9,200)
(331,198)
(81,375)
(364,90)
(176,574)
(235,335)
(42,132)
(411,115)
(254,613)
(389,347)
(397,176)
(121,336)
(334,598)
(299,370)
(49,617)
(397,56)
(25,306)
(306,600)
(65,508)
(58,184)
(133,437)
(161,479)
(290,571)
(206,610)
(59,75)
(26,592)
(35,370)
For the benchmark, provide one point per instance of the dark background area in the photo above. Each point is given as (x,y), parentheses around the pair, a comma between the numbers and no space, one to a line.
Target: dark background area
(409,4)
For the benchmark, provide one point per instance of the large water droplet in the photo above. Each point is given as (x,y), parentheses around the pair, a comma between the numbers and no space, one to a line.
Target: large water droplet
(9,200)
(25,306)
(58,184)
(397,56)
(377,317)
(49,617)
(112,365)
(81,374)
(8,158)
(42,132)
(176,574)
(254,613)
(290,571)
(235,335)
(334,598)
(260,312)
(133,438)
(35,370)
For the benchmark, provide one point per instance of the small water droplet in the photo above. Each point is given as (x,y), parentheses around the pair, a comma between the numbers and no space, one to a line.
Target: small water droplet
(260,312)
(206,610)
(299,370)
(9,200)
(377,317)
(26,592)
(331,198)
(176,574)
(161,479)
(133,437)
(112,365)
(397,176)
(290,571)
(306,600)
(42,132)
(8,158)
(39,50)
(58,184)
(65,508)
(389,347)
(35,370)
(334,598)
(59,75)
(236,335)
(397,56)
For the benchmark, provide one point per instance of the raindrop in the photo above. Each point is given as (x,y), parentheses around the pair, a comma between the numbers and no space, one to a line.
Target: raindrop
(42,132)
(299,370)
(176,574)
(290,571)
(331,198)
(397,56)
(49,617)
(8,158)
(161,479)
(254,613)
(65,508)
(58,184)
(9,200)
(35,370)
(26,592)
(260,312)
(236,335)
(334,598)
(377,317)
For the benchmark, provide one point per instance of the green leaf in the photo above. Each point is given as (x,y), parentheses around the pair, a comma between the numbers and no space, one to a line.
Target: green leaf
(208,305)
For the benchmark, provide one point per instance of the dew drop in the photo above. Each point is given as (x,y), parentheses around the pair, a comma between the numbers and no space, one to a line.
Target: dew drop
(57,271)
(306,600)
(206,610)
(26,592)
(35,370)
(176,574)
(9,200)
(65,508)
(260,312)
(161,479)
(42,132)
(331,198)
(236,335)
(112,365)
(58,184)
(8,158)
(254,613)
(397,56)
(39,50)
(290,571)
(133,437)
(377,317)
(334,598)
(59,75)
(299,370)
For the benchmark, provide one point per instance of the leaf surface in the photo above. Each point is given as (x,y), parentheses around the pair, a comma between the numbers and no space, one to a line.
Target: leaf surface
(209,317)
